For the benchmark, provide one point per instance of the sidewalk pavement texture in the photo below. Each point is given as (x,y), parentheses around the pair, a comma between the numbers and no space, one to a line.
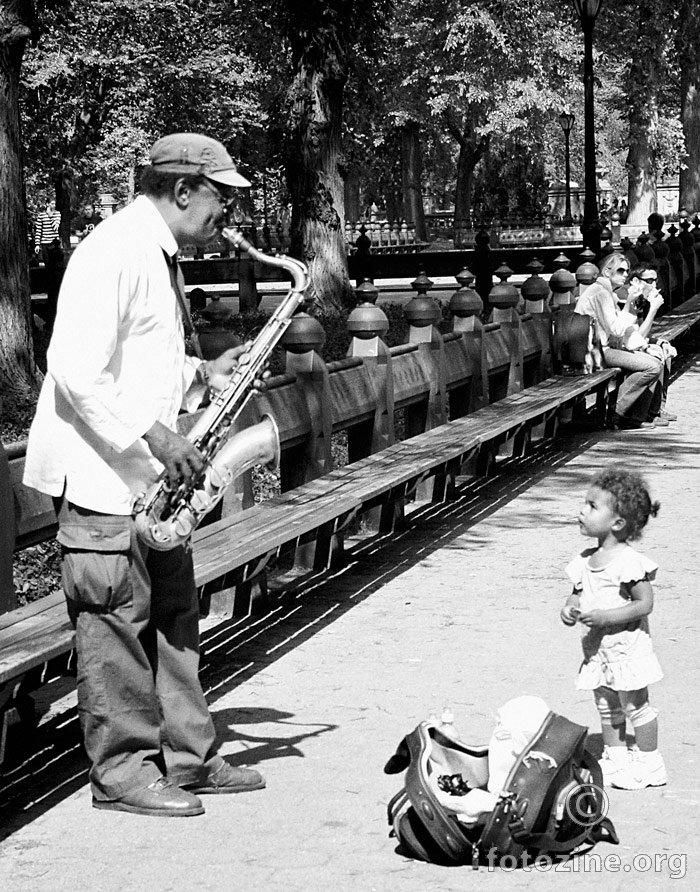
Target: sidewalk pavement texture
(462,608)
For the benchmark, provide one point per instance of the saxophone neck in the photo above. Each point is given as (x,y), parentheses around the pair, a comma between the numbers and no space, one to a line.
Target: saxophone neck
(298,270)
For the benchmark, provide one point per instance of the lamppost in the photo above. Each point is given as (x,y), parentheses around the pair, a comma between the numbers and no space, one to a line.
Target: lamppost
(588,12)
(566,119)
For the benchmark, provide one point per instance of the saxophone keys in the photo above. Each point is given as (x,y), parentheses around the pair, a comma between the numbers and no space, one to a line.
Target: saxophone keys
(218,478)
(200,501)
(184,526)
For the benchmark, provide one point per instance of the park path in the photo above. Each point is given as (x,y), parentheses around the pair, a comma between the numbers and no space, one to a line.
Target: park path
(461,609)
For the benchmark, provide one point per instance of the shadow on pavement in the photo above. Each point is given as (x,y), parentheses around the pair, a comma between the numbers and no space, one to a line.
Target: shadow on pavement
(52,765)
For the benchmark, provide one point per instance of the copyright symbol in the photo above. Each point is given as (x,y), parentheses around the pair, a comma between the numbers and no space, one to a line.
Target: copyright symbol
(587,804)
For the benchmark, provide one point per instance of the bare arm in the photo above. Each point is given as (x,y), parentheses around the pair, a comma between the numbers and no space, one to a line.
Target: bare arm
(655,303)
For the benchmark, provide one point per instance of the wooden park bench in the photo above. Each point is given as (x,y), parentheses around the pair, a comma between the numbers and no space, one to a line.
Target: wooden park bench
(233,554)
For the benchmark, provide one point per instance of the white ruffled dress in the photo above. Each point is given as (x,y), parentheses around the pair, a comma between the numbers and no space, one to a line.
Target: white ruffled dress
(618,657)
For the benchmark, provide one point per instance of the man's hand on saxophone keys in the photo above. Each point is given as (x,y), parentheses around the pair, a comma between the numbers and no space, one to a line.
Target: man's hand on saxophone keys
(182,461)
(218,371)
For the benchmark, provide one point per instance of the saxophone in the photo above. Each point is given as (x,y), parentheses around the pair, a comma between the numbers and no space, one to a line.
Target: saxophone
(166,517)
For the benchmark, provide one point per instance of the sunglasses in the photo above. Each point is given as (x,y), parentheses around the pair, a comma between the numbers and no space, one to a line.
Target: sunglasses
(649,279)
(226,201)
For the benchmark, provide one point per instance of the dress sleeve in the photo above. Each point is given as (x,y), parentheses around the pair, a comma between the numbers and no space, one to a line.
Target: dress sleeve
(574,570)
(634,567)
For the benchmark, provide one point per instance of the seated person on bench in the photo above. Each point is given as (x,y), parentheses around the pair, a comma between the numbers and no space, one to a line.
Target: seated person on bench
(641,398)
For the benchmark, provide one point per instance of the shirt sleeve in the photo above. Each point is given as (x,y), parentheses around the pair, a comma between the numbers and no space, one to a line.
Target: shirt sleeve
(195,388)
(605,310)
(595,301)
(80,365)
(622,322)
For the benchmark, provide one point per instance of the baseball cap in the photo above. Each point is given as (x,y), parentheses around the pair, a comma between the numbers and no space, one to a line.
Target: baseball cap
(194,153)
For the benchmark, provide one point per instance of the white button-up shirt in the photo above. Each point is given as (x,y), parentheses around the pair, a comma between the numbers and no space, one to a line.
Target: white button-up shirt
(116,364)
(597,300)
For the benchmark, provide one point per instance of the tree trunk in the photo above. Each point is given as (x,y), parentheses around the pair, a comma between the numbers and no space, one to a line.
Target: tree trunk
(411,173)
(643,84)
(641,193)
(315,183)
(464,189)
(65,190)
(471,151)
(86,132)
(690,175)
(18,374)
(689,36)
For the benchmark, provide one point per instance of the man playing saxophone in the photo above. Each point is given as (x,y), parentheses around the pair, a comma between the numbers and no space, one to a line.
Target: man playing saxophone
(104,431)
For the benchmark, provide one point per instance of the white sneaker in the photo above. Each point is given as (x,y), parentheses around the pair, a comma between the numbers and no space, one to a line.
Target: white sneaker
(644,770)
(614,760)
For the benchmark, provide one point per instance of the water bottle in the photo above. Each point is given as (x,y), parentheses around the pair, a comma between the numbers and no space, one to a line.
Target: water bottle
(447,721)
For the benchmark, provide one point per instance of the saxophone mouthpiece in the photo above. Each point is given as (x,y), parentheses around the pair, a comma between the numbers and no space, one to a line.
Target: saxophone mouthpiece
(237,239)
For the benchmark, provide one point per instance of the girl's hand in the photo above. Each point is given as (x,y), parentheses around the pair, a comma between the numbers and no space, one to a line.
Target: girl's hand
(594,619)
(569,614)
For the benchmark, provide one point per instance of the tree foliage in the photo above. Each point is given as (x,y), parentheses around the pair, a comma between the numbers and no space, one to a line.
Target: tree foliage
(105,78)
(329,92)
(325,40)
(486,78)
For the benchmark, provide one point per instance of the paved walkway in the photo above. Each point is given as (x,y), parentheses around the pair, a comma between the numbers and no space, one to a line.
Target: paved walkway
(462,609)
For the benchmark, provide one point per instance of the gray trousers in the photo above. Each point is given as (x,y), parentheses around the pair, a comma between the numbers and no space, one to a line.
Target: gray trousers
(136,616)
(642,394)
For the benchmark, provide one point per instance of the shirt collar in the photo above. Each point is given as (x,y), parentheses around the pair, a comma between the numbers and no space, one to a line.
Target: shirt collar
(159,228)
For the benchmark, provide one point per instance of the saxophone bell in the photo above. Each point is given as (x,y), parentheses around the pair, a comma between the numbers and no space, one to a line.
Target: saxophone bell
(163,524)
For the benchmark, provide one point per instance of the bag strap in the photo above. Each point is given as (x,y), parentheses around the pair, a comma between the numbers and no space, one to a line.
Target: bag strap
(535,769)
(547,842)
(445,831)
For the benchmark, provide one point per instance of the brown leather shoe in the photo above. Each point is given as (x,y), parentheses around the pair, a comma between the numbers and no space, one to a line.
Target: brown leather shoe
(161,799)
(228,779)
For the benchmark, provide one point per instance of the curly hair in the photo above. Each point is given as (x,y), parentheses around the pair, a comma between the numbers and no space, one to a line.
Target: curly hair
(630,497)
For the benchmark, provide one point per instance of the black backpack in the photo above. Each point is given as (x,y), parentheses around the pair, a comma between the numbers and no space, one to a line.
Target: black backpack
(552,803)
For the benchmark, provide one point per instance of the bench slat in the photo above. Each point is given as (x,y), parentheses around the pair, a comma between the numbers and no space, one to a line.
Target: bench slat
(20,614)
(54,638)
(265,529)
(225,545)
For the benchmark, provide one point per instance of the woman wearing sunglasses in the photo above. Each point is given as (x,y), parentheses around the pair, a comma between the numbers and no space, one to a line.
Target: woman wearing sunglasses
(642,393)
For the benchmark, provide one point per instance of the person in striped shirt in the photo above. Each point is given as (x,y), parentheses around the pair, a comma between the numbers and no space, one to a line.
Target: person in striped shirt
(46,231)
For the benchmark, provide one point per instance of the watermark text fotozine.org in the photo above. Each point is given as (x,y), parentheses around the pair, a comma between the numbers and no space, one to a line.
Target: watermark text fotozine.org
(672,865)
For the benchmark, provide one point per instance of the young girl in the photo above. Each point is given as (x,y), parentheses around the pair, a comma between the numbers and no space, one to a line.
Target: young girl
(612,599)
